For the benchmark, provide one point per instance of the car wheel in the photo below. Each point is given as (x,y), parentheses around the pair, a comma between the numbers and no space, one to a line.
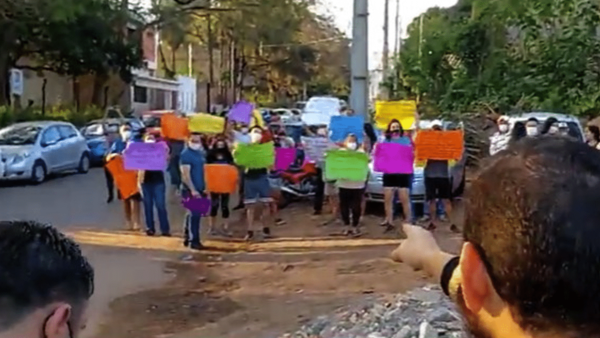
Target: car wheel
(84,163)
(38,172)
(461,187)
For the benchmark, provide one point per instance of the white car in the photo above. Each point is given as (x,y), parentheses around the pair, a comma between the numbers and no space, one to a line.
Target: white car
(33,150)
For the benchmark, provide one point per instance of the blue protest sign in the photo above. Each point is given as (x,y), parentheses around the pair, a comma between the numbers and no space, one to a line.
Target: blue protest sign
(341,126)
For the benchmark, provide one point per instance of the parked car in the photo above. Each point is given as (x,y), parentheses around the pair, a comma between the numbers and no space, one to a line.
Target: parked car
(33,150)
(374,191)
(97,135)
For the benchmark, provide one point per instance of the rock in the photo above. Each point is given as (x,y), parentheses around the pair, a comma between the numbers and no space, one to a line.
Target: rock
(405,332)
(442,315)
(427,331)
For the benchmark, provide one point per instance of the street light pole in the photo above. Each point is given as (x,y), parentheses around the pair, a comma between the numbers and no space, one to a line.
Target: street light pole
(359,58)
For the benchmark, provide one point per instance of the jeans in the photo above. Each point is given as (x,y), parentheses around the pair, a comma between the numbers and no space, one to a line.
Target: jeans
(319,191)
(174,171)
(154,195)
(110,184)
(191,226)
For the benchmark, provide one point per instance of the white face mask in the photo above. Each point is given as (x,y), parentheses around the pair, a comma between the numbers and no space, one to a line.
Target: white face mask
(532,131)
(503,128)
(255,137)
(352,145)
(244,130)
(553,130)
(126,135)
(195,146)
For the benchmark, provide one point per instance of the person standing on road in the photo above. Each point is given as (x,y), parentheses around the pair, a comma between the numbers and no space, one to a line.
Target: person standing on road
(499,141)
(192,173)
(241,136)
(219,154)
(351,194)
(592,136)
(46,282)
(393,183)
(132,204)
(438,186)
(154,194)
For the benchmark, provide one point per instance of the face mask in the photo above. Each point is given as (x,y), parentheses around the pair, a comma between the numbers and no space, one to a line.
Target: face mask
(220,145)
(126,135)
(352,145)
(503,128)
(395,131)
(532,131)
(244,130)
(195,146)
(255,137)
(553,130)
(150,140)
(322,132)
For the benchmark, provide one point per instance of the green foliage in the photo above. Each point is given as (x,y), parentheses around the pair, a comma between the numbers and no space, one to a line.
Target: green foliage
(8,115)
(505,55)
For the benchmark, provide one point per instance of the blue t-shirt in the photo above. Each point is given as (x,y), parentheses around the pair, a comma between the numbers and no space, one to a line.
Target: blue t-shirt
(118,146)
(195,159)
(404,140)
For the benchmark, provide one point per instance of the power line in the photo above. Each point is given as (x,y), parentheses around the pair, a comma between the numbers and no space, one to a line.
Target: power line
(314,42)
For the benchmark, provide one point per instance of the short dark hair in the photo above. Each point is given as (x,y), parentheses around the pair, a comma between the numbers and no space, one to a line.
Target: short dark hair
(38,266)
(595,131)
(533,215)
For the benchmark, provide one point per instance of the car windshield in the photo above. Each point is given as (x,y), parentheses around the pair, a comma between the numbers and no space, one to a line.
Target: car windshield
(19,135)
(323,105)
(518,131)
(97,129)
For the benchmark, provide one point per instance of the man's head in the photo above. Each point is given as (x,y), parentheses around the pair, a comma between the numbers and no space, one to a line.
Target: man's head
(503,124)
(195,141)
(532,126)
(436,125)
(530,262)
(45,282)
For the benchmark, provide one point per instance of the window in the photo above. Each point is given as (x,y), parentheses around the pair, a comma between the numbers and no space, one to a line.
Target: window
(140,94)
(51,136)
(67,132)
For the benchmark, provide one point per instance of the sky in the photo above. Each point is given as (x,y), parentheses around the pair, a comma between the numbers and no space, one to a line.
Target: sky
(341,11)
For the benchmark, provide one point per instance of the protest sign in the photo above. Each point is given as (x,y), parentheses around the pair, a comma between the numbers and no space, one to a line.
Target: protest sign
(393,158)
(316,119)
(439,145)
(199,205)
(255,155)
(284,157)
(146,156)
(174,127)
(241,112)
(125,180)
(257,119)
(206,123)
(342,126)
(315,147)
(220,178)
(403,111)
(346,165)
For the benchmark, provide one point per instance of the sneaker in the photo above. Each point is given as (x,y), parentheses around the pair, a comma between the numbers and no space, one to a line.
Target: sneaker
(165,234)
(110,198)
(317,213)
(249,236)
(239,206)
(385,224)
(150,232)
(197,246)
(279,221)
(266,232)
(454,228)
(425,218)
(443,218)
(430,227)
(389,228)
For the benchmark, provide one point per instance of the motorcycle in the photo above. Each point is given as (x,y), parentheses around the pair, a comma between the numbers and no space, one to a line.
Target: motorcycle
(297,183)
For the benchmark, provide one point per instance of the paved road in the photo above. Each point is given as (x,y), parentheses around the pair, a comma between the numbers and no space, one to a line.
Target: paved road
(75,202)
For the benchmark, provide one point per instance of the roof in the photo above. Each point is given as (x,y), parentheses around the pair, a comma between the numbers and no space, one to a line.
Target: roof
(543,116)
(40,124)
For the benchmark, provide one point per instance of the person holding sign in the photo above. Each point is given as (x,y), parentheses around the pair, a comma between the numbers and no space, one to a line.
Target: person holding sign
(351,194)
(192,173)
(219,154)
(438,185)
(154,195)
(131,204)
(393,183)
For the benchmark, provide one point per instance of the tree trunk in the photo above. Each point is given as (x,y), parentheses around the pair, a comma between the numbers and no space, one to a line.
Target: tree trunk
(5,65)
(211,71)
(99,81)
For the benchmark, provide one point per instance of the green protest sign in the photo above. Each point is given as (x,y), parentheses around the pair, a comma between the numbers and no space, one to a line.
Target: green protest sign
(255,155)
(346,165)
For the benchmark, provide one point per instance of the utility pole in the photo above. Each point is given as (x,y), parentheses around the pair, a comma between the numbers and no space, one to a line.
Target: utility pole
(359,58)
(397,36)
(386,48)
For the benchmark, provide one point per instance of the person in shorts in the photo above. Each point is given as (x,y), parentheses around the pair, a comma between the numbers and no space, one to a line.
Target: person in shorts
(438,186)
(257,191)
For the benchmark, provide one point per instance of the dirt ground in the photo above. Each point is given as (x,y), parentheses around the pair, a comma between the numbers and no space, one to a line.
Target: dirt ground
(263,294)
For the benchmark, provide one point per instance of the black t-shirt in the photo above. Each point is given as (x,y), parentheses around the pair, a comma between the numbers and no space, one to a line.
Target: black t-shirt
(154,177)
(255,173)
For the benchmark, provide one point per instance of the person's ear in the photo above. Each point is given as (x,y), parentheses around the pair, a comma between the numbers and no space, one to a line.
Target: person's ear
(475,281)
(57,324)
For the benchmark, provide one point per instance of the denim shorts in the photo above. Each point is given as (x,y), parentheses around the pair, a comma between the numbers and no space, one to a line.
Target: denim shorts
(257,189)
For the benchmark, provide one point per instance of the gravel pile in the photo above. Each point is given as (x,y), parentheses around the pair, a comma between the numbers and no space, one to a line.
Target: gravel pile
(421,313)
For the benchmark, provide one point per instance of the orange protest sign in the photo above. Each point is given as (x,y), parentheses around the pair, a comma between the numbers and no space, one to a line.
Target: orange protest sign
(174,127)
(220,178)
(439,145)
(125,180)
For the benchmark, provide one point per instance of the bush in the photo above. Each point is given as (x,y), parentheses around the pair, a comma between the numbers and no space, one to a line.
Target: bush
(9,115)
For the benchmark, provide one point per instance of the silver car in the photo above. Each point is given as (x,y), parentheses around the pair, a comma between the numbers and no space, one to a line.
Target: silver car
(374,191)
(33,150)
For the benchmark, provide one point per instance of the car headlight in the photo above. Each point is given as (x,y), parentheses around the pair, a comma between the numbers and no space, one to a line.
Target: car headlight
(20,158)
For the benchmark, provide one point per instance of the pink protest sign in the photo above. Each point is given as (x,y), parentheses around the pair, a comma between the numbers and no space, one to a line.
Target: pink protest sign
(146,156)
(284,157)
(200,205)
(393,158)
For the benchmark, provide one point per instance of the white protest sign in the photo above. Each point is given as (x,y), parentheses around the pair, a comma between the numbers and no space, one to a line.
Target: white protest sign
(315,147)
(316,119)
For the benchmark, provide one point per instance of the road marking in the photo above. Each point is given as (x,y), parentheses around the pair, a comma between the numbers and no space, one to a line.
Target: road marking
(128,240)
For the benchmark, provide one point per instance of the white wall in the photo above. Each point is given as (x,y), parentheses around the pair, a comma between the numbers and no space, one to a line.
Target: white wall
(186,97)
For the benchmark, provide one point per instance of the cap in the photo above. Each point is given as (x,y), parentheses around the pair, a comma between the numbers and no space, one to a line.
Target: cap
(435,123)
(503,118)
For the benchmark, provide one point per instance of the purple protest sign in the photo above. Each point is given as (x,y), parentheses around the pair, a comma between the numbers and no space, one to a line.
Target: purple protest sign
(146,156)
(241,112)
(200,205)
(393,158)
(284,157)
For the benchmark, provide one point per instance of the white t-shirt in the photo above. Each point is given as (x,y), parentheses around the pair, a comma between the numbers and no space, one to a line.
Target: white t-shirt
(499,142)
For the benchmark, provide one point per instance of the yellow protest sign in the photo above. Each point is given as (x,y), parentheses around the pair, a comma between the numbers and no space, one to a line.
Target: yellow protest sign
(403,111)
(206,123)
(257,119)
